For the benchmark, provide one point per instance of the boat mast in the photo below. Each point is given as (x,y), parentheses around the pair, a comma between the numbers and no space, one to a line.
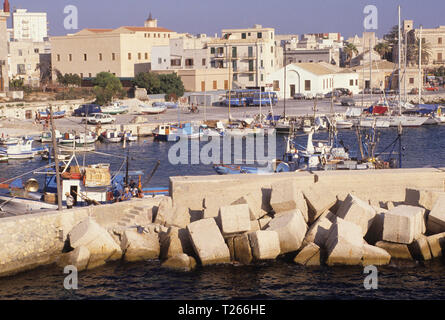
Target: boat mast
(420,64)
(370,69)
(404,72)
(56,159)
(285,75)
(230,62)
(398,74)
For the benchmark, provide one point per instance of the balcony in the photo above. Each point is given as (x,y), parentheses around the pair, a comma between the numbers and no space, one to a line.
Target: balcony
(439,62)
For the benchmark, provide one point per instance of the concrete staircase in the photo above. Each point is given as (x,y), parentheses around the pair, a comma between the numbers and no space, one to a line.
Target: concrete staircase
(136,215)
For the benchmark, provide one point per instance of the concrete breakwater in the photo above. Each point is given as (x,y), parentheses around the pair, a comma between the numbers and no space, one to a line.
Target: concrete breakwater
(340,217)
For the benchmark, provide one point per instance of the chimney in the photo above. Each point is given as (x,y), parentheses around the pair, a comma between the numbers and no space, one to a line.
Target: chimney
(6,6)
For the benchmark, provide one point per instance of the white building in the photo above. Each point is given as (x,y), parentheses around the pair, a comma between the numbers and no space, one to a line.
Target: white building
(29,25)
(311,79)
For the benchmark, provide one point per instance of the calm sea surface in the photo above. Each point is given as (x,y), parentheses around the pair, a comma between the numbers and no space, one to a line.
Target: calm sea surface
(423,147)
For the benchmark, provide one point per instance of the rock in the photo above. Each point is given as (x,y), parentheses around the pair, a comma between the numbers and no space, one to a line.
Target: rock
(396,250)
(264,221)
(181,262)
(437,244)
(285,197)
(174,242)
(344,244)
(243,252)
(208,242)
(164,210)
(375,256)
(357,211)
(319,199)
(420,249)
(309,256)
(265,244)
(139,246)
(254,204)
(291,229)
(79,258)
(422,197)
(234,219)
(436,218)
(375,231)
(403,224)
(96,239)
(319,230)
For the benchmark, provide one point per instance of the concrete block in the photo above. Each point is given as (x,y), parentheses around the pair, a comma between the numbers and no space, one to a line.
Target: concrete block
(436,218)
(286,197)
(255,203)
(180,262)
(403,224)
(254,225)
(139,246)
(234,219)
(375,256)
(230,245)
(208,242)
(213,204)
(309,255)
(264,221)
(396,250)
(422,197)
(319,230)
(164,210)
(265,244)
(79,258)
(357,211)
(96,239)
(243,252)
(291,229)
(319,198)
(437,244)
(375,231)
(344,244)
(175,241)
(420,249)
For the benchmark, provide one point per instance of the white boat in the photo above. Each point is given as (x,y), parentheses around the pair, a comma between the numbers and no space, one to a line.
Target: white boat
(115,108)
(375,122)
(128,136)
(111,136)
(406,121)
(156,109)
(21,150)
(70,138)
(344,124)
(46,136)
(8,141)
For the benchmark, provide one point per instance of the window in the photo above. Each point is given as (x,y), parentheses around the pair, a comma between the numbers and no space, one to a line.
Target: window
(129,56)
(70,57)
(159,60)
(234,52)
(203,62)
(113,56)
(215,84)
(146,56)
(148,35)
(175,62)
(235,77)
(20,52)
(81,75)
(85,57)
(351,82)
(234,65)
(159,35)
(439,56)
(21,69)
(271,49)
(251,65)
(307,85)
(356,82)
(243,35)
(250,52)
(203,86)
(154,35)
(100,56)
(271,63)
(139,56)
(189,62)
(439,41)
(324,84)
(259,35)
(250,77)
(276,85)
(411,80)
(226,84)
(423,40)
(262,77)
(89,75)
(36,50)
(58,57)
(212,50)
(271,35)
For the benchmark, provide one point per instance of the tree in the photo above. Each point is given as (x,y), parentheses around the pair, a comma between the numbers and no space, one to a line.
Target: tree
(392,37)
(413,52)
(172,84)
(16,84)
(350,49)
(383,49)
(148,80)
(107,86)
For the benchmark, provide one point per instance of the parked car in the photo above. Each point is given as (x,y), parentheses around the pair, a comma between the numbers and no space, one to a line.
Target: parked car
(329,94)
(343,92)
(377,91)
(309,96)
(100,118)
(319,96)
(432,89)
(87,109)
(347,102)
(299,96)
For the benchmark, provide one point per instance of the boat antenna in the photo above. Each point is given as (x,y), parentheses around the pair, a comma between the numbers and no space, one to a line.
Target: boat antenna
(56,159)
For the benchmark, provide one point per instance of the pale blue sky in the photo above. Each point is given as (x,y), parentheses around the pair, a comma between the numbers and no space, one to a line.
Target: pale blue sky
(210,16)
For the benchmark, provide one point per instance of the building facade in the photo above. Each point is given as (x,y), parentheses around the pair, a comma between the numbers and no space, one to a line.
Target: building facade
(125,51)
(248,55)
(201,80)
(31,26)
(4,78)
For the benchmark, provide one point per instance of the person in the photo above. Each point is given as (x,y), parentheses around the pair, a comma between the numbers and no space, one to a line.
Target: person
(132,184)
(69,200)
(127,194)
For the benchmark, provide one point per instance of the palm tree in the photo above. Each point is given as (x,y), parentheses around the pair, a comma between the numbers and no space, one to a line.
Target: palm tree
(413,52)
(383,49)
(350,49)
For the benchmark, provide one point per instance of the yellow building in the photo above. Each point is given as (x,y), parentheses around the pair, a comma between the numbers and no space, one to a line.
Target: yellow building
(124,51)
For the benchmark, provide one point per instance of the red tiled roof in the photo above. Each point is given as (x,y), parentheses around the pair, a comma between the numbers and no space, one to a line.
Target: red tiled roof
(100,30)
(148,29)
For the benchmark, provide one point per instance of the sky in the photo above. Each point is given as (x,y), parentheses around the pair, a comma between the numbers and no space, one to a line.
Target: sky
(210,16)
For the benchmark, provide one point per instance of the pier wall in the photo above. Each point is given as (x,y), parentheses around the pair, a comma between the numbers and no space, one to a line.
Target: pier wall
(376,185)
(33,240)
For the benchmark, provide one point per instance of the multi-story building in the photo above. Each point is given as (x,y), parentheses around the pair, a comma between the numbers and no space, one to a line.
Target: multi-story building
(435,38)
(248,55)
(124,51)
(4,79)
(31,26)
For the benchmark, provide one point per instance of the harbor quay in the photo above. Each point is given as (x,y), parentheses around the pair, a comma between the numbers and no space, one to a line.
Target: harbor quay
(328,218)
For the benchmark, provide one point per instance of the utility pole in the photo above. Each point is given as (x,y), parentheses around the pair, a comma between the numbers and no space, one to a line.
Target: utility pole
(56,159)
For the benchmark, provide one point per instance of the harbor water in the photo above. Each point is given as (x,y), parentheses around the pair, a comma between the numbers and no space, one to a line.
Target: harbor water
(281,279)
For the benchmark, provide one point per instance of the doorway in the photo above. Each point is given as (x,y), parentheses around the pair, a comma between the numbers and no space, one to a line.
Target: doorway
(74,192)
(292,90)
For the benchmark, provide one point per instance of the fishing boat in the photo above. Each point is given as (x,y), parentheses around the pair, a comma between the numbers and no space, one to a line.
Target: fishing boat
(171,105)
(70,138)
(7,141)
(45,115)
(46,136)
(368,122)
(3,158)
(111,136)
(274,166)
(175,133)
(128,136)
(153,109)
(115,108)
(22,150)
(68,149)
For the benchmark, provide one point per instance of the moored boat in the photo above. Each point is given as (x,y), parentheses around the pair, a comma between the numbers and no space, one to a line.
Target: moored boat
(154,109)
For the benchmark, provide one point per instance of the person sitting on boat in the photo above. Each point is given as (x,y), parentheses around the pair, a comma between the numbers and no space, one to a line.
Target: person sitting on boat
(69,200)
(127,194)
